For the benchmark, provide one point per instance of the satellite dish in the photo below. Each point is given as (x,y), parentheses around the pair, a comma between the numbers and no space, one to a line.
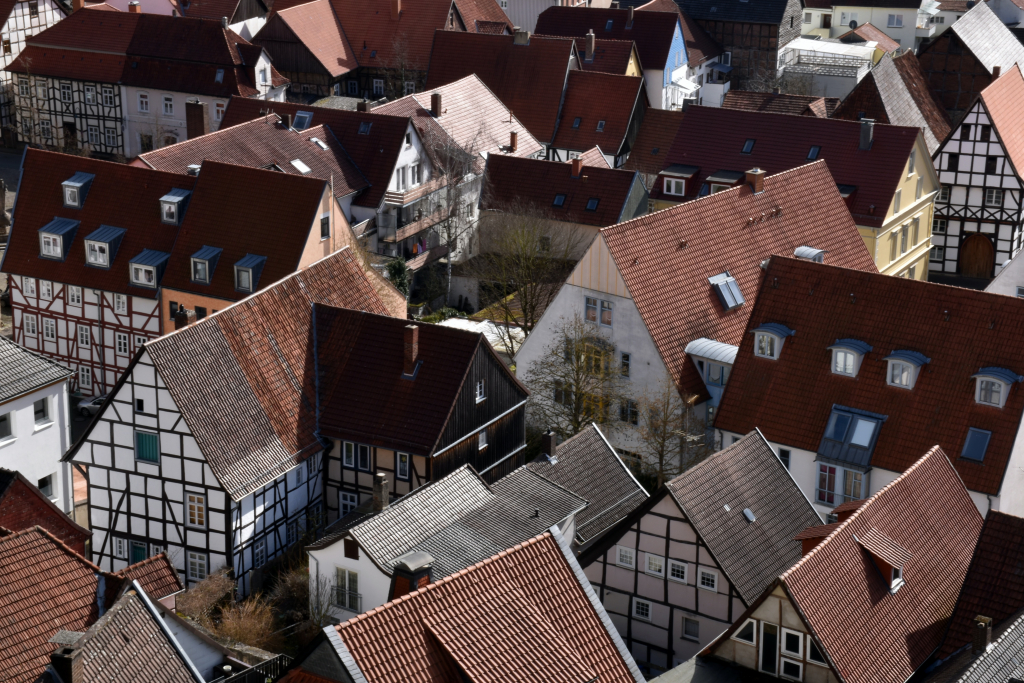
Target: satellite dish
(853,25)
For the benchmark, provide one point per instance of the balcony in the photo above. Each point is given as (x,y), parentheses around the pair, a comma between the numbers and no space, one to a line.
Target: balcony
(348,600)
(412,194)
(390,227)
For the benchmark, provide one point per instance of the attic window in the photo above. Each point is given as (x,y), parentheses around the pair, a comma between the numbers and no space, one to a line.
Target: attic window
(204,262)
(608,25)
(319,143)
(747,633)
(728,291)
(55,238)
(576,122)
(559,199)
(600,126)
(847,355)
(300,167)
(172,206)
(768,340)
(76,188)
(219,78)
(904,367)
(976,444)
(992,386)
(748,146)
(592,204)
(247,272)
(302,120)
(813,154)
(889,556)
(364,127)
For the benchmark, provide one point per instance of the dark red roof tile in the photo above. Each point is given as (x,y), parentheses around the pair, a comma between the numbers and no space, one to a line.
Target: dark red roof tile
(316,26)
(654,141)
(652,31)
(610,56)
(604,104)
(700,47)
(774,103)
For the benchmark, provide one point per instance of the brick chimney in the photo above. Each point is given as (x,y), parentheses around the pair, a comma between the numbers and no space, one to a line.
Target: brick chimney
(412,349)
(629,20)
(183,318)
(577,167)
(197,119)
(381,492)
(412,572)
(549,445)
(363,106)
(77,5)
(996,70)
(521,38)
(589,56)
(134,7)
(755,177)
(63,662)
(435,104)
(982,637)
(867,133)
(513,141)
(396,9)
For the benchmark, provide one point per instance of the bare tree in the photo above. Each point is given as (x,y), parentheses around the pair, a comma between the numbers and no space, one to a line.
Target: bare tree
(774,80)
(672,438)
(576,380)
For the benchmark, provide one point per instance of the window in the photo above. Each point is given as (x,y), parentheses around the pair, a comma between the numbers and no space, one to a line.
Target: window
(677,571)
(814,654)
(920,188)
(985,134)
(748,146)
(120,548)
(325,226)
(50,245)
(976,444)
(481,440)
(6,426)
(200,271)
(629,412)
(624,367)
(121,340)
(675,187)
(813,153)
(591,309)
(143,102)
(952,162)
(990,165)
(364,457)
(45,129)
(937,254)
(168,105)
(944,194)
(139,341)
(727,290)
(94,135)
(853,485)
(23,87)
(792,643)
(259,553)
(655,565)
(120,303)
(807,17)
(784,455)
(218,111)
(844,362)
(108,96)
(993,197)
(196,566)
(147,447)
(708,580)
(641,609)
(347,502)
(140,405)
(792,670)
(559,200)
(481,392)
(196,509)
(402,465)
(110,137)
(939,226)
(764,345)
(625,557)
(608,25)
(747,633)
(29,285)
(717,374)
(592,204)
(900,374)
(903,240)
(606,313)
(145,143)
(600,126)
(826,490)
(30,325)
(83,336)
(989,391)
(378,87)
(965,131)
(895,21)
(65,92)
(49,329)
(769,648)
(1020,292)
(243,279)
(144,275)
(896,201)
(691,629)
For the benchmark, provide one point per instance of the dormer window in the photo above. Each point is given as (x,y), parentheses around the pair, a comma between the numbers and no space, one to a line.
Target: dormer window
(768,340)
(992,385)
(728,291)
(55,238)
(847,355)
(890,557)
(247,273)
(50,246)
(172,206)
(203,263)
(101,246)
(904,367)
(76,188)
(144,275)
(146,268)
(810,254)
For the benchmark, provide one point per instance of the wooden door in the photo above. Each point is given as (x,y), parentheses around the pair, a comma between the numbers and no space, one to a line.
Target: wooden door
(977,256)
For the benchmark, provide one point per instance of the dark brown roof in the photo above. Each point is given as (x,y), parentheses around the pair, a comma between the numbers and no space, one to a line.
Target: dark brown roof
(594,98)
(156,575)
(746,475)
(959,330)
(652,31)
(610,56)
(654,141)
(801,105)
(700,47)
(23,506)
(316,26)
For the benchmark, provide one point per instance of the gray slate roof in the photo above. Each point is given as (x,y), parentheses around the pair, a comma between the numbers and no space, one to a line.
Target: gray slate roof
(22,371)
(900,105)
(988,38)
(746,474)
(1003,662)
(757,12)
(588,466)
(460,520)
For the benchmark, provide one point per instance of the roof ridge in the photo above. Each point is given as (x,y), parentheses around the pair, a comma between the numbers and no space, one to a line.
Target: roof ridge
(149,560)
(60,545)
(530,470)
(37,355)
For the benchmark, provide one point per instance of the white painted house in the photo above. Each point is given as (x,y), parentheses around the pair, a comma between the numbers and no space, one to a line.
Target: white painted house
(35,421)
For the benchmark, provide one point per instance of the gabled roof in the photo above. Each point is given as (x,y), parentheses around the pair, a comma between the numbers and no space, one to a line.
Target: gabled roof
(610,56)
(713,139)
(654,141)
(994,586)
(593,157)
(155,575)
(593,98)
(513,183)
(17,514)
(868,32)
(261,143)
(652,31)
(775,103)
(528,79)
(960,330)
(669,282)
(1002,99)
(1002,662)
(250,398)
(987,38)
(587,465)
(316,26)
(769,12)
(375,154)
(544,623)
(867,632)
(700,47)
(23,371)
(746,475)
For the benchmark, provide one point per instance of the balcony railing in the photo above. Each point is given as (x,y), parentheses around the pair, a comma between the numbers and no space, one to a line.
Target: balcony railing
(412,194)
(264,672)
(348,600)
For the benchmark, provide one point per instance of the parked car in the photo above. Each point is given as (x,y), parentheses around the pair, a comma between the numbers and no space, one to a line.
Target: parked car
(91,406)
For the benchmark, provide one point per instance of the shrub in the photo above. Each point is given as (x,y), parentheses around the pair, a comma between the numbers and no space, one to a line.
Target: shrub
(201,600)
(250,622)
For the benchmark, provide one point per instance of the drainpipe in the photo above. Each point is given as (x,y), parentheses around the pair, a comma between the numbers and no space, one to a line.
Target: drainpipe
(99,316)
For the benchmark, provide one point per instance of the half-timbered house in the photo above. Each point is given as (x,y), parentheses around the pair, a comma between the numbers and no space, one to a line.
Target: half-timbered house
(24,19)
(688,562)
(977,223)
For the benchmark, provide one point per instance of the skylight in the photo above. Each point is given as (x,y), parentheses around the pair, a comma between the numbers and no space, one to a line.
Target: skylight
(576,122)
(748,146)
(592,204)
(219,78)
(608,25)
(364,127)
(300,167)
(600,126)
(559,199)
(728,291)
(813,154)
(319,143)
(850,437)
(302,120)
(976,444)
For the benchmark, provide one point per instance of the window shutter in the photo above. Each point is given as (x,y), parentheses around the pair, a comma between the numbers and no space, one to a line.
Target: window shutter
(351,549)
(147,447)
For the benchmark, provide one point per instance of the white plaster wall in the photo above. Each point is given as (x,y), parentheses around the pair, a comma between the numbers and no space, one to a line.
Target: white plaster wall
(374,584)
(35,450)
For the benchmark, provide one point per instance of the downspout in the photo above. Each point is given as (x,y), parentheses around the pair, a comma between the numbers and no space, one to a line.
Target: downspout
(99,317)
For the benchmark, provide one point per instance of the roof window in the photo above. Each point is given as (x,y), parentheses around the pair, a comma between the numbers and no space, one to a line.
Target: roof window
(810,254)
(147,268)
(976,444)
(768,340)
(600,126)
(748,146)
(846,190)
(204,262)
(813,153)
(300,167)
(319,143)
(992,385)
(889,556)
(559,200)
(847,355)
(592,203)
(576,122)
(101,246)
(364,127)
(728,291)
(904,367)
(608,25)
(850,437)
(219,78)
(76,188)
(749,515)
(247,272)
(55,238)
(172,206)
(302,120)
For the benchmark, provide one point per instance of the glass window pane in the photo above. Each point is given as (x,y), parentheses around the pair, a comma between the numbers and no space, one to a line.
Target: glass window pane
(862,433)
(837,426)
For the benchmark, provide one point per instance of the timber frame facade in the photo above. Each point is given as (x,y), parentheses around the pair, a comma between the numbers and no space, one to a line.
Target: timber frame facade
(69,114)
(27,17)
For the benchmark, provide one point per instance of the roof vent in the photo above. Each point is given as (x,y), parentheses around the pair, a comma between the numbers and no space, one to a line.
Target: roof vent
(810,254)
(749,514)
(867,133)
(319,143)
(193,169)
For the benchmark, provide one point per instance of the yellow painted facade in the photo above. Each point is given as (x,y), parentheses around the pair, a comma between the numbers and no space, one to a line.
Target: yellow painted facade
(633,68)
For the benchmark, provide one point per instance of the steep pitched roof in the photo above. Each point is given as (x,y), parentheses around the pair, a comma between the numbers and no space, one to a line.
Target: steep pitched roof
(775,103)
(868,32)
(155,575)
(595,99)
(926,511)
(988,39)
(654,141)
(1002,100)
(317,27)
(528,79)
(251,402)
(375,153)
(666,258)
(587,465)
(1002,662)
(23,371)
(713,139)
(610,56)
(746,475)
(960,330)
(770,12)
(593,157)
(545,623)
(23,505)
(700,47)
(652,31)
(512,182)
(261,143)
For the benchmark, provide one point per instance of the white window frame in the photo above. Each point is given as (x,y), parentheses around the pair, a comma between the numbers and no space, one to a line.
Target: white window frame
(218,111)
(121,304)
(675,187)
(30,324)
(993,192)
(911,374)
(259,553)
(84,335)
(47,417)
(197,561)
(658,568)
(139,275)
(348,454)
(799,654)
(481,390)
(673,564)
(402,465)
(49,329)
(346,499)
(90,94)
(196,508)
(481,440)
(775,344)
(701,571)
(742,626)
(168,105)
(121,343)
(108,96)
(169,213)
(896,201)
(28,285)
(378,87)
(51,246)
(636,612)
(120,548)
(621,553)
(85,377)
(238,283)
(1004,389)
(143,102)
(807,648)
(74,295)
(856,357)
(782,668)
(206,265)
(94,256)
(895,21)
(45,289)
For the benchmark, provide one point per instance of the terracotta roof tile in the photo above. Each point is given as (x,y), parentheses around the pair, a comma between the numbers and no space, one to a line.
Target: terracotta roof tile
(654,141)
(820,531)
(960,330)
(867,32)
(211,9)
(87,66)
(652,31)
(594,97)
(317,27)
(156,575)
(1002,99)
(610,56)
(801,105)
(700,47)
(528,79)
(669,284)
(593,157)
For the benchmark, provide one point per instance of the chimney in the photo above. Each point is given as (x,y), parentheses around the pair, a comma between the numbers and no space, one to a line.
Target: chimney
(513,141)
(287,120)
(776,91)
(982,635)
(549,445)
(134,7)
(197,119)
(412,572)
(77,5)
(755,177)
(867,133)
(629,20)
(380,492)
(183,318)
(577,167)
(590,45)
(412,349)
(996,70)
(521,38)
(62,661)
(435,104)
(396,9)
(363,106)
(223,22)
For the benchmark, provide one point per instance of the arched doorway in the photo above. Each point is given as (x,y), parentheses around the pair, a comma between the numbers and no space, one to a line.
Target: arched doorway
(977,256)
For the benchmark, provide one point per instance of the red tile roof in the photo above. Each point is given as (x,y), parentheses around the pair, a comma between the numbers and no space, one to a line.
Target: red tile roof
(668,282)
(211,9)
(654,141)
(528,79)
(652,31)
(316,26)
(512,183)
(594,97)
(960,330)
(700,47)
(712,140)
(156,575)
(801,105)
(869,33)
(610,56)
(58,63)
(868,633)
(1003,100)
(260,143)
(23,506)
(544,623)
(374,154)
(593,157)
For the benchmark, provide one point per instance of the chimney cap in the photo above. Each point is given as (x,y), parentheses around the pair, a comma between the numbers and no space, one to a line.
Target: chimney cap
(414,561)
